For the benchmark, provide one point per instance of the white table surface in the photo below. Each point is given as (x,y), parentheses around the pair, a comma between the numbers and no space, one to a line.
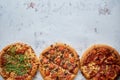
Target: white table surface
(79,23)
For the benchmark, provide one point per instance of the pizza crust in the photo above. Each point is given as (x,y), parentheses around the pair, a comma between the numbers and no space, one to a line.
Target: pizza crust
(33,60)
(87,53)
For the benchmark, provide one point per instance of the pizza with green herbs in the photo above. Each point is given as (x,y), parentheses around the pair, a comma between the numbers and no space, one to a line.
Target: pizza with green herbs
(18,62)
(59,62)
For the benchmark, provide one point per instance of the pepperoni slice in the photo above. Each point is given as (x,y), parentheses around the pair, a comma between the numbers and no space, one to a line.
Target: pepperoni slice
(103,67)
(45,60)
(47,72)
(110,60)
(52,51)
(53,75)
(99,58)
(99,76)
(51,66)
(58,60)
(72,60)
(103,50)
(3,60)
(65,66)
(61,48)
(90,58)
(20,78)
(93,51)
(68,77)
(66,55)
(21,51)
(111,73)
(116,68)
(92,74)
(61,75)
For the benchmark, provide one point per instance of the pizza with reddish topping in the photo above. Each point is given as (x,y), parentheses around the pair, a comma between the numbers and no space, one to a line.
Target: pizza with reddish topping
(59,62)
(18,62)
(100,62)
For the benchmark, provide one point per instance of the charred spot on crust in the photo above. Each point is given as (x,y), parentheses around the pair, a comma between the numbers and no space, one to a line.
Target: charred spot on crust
(65,44)
(51,45)
(57,78)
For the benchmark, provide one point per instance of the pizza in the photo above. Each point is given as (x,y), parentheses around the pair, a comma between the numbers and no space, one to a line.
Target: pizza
(59,62)
(100,62)
(18,62)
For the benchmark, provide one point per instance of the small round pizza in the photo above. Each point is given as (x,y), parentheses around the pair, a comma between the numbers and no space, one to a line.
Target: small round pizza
(100,62)
(59,62)
(18,62)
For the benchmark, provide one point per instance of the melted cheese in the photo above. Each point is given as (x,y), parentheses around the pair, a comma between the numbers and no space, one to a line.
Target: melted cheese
(89,68)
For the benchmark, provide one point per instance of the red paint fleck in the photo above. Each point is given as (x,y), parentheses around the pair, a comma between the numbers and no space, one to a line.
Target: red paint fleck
(31,5)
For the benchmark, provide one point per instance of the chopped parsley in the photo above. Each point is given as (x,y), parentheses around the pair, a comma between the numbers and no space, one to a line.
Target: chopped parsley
(17,63)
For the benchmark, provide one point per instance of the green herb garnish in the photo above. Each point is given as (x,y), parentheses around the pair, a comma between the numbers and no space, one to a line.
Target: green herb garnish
(17,63)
